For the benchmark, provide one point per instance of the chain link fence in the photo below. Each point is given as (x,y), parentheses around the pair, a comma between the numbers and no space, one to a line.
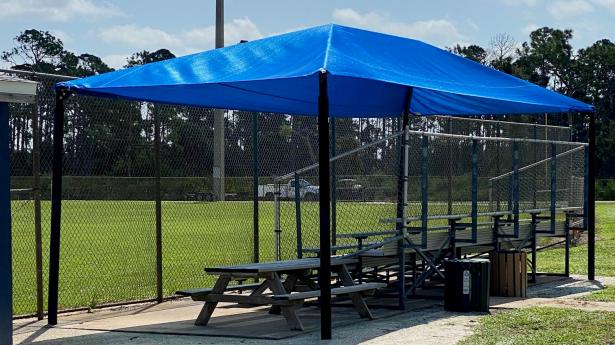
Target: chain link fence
(109,223)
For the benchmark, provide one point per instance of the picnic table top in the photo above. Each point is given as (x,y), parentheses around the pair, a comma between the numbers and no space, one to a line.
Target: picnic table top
(279,266)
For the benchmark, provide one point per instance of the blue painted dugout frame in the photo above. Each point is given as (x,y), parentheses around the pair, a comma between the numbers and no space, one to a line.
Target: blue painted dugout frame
(515,187)
(553,188)
(424,189)
(474,190)
(6,270)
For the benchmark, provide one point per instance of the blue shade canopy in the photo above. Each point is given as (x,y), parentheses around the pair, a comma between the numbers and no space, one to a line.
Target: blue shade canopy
(369,74)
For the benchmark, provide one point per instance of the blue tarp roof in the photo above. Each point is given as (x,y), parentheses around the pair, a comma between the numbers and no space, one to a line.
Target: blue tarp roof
(368,75)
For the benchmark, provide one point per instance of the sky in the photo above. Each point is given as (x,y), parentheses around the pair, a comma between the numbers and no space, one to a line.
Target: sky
(114,29)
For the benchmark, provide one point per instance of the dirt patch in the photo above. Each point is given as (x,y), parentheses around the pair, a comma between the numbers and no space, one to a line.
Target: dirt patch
(575,240)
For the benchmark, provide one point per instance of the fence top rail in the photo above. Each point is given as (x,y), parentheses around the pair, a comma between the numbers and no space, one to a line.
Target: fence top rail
(471,119)
(535,164)
(339,156)
(38,74)
(503,139)
(428,134)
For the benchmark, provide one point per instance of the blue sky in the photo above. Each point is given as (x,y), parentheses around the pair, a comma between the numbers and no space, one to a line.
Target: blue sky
(114,29)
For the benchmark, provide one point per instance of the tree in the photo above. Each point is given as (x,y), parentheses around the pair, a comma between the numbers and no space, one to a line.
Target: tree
(40,51)
(596,66)
(596,72)
(501,52)
(35,50)
(473,52)
(176,144)
(144,57)
(82,66)
(548,59)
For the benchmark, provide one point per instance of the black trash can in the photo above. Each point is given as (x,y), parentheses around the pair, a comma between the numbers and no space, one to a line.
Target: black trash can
(467,285)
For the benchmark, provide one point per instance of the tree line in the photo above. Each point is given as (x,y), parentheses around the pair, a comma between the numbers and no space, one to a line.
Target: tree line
(110,137)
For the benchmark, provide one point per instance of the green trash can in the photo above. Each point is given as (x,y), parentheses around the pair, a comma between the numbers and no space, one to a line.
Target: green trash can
(467,285)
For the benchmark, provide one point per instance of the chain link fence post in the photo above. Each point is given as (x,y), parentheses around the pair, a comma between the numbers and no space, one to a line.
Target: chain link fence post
(36,187)
(158,205)
(255,205)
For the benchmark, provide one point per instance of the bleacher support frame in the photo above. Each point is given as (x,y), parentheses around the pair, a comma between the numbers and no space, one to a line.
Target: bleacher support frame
(415,241)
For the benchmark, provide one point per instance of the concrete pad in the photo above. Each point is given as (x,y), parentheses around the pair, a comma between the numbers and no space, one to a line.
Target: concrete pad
(172,322)
(424,326)
(177,318)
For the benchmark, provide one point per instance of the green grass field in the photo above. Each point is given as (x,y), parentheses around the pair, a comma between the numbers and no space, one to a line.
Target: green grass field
(553,260)
(544,326)
(108,251)
(605,295)
(108,247)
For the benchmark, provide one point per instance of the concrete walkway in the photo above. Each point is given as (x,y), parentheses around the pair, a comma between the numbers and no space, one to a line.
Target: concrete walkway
(426,323)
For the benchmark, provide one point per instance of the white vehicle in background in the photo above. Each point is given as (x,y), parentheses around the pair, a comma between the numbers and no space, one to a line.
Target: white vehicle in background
(307,191)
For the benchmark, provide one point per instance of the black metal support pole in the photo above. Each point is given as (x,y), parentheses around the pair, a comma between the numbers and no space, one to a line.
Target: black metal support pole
(567,245)
(256,239)
(298,216)
(6,265)
(535,179)
(56,207)
(533,226)
(451,238)
(515,187)
(158,206)
(591,196)
(450,171)
(324,274)
(333,185)
(497,166)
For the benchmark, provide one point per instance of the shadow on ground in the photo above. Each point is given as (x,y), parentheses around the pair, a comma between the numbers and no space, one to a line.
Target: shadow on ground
(172,322)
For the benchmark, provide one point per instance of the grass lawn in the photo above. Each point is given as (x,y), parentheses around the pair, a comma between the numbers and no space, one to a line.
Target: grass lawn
(546,326)
(553,260)
(606,295)
(108,249)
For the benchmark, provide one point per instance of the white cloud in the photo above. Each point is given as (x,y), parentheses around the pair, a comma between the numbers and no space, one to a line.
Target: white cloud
(569,8)
(58,10)
(116,61)
(608,4)
(62,35)
(436,31)
(183,42)
(140,37)
(529,28)
(472,24)
(238,29)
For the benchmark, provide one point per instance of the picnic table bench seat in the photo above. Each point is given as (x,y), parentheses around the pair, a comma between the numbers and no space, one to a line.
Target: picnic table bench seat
(365,288)
(199,294)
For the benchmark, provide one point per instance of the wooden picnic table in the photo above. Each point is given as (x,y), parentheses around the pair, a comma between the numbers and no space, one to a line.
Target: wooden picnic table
(283,298)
